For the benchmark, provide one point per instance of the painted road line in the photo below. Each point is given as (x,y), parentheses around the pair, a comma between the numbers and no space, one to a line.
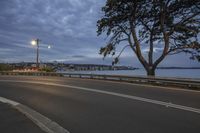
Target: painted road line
(125,83)
(40,120)
(5,100)
(166,104)
(147,85)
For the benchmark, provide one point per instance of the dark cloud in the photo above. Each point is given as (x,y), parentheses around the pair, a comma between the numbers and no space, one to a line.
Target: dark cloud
(68,25)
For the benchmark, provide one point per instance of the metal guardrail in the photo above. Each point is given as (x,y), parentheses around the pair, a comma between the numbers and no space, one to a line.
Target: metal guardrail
(176,82)
(161,81)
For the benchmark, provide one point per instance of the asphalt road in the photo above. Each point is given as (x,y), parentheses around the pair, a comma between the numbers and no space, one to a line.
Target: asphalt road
(92,106)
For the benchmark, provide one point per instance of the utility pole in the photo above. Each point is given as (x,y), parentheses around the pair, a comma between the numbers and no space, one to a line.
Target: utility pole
(37,63)
(36,43)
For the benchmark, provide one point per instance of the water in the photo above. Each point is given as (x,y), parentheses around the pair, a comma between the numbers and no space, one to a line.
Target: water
(180,73)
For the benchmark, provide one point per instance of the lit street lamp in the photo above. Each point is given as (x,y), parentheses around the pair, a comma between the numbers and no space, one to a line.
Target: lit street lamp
(35,42)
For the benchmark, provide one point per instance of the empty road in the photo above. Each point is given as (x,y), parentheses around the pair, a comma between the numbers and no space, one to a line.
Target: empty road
(94,106)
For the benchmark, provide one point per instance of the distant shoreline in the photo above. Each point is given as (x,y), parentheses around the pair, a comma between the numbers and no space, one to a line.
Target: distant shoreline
(178,68)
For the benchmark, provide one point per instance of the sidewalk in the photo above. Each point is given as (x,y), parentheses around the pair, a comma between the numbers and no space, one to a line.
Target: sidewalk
(12,121)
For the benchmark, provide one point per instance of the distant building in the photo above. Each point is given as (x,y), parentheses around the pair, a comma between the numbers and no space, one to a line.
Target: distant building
(89,67)
(30,66)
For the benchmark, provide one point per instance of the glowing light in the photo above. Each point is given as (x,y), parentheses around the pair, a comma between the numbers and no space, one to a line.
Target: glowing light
(33,42)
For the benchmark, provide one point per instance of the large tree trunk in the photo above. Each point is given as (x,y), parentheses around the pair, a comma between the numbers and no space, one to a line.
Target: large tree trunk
(150,72)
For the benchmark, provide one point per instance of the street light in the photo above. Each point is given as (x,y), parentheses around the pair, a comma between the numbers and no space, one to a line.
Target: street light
(35,42)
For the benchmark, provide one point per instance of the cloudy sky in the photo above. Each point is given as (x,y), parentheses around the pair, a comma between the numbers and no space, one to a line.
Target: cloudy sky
(69,26)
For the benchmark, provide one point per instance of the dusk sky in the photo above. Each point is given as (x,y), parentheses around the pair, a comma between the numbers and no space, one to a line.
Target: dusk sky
(68,25)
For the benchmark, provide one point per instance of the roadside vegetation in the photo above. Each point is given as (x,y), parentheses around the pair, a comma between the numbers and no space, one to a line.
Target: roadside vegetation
(47,69)
(5,67)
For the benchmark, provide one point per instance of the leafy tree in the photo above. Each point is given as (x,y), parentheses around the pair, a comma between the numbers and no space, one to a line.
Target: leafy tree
(47,69)
(5,67)
(170,25)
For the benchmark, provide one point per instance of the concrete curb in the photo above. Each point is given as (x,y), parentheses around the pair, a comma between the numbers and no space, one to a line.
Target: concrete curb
(40,120)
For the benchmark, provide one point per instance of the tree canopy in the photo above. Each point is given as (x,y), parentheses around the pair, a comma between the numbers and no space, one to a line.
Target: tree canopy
(172,25)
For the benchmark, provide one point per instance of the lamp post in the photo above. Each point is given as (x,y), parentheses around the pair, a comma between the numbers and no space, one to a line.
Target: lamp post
(35,42)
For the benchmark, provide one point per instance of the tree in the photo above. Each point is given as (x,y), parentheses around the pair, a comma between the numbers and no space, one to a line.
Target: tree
(5,67)
(170,25)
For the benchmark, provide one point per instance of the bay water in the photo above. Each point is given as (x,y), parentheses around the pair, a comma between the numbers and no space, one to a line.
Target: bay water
(179,73)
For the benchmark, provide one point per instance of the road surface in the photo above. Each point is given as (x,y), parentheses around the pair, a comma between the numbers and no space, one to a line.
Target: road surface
(94,106)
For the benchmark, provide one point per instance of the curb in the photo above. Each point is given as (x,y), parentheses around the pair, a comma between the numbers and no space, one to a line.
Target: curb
(40,120)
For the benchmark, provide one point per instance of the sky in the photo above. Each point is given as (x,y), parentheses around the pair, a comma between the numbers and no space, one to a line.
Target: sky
(69,26)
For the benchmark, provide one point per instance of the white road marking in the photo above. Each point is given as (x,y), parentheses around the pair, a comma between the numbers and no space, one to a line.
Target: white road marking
(166,104)
(127,83)
(43,122)
(40,120)
(147,85)
(5,100)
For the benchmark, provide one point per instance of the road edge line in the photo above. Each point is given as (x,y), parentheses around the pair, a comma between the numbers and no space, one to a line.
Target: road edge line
(40,120)
(147,100)
(144,85)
